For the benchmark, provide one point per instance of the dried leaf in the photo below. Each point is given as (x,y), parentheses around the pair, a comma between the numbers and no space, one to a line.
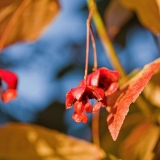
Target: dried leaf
(23,20)
(148,12)
(141,142)
(128,93)
(26,141)
(116,15)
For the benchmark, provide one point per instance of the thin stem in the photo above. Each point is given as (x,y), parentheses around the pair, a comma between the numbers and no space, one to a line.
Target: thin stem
(94,49)
(95,116)
(116,64)
(95,128)
(87,38)
(12,22)
(107,44)
(101,30)
(87,51)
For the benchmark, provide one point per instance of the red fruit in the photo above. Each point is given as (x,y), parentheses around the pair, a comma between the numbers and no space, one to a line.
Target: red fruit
(97,107)
(79,117)
(78,107)
(84,118)
(9,95)
(101,78)
(112,88)
(76,117)
(88,107)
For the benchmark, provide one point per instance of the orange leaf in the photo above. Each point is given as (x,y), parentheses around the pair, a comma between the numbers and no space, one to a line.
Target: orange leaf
(140,144)
(148,12)
(23,20)
(128,93)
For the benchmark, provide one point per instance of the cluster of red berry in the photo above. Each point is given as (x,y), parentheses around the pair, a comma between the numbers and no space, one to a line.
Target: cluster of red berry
(97,85)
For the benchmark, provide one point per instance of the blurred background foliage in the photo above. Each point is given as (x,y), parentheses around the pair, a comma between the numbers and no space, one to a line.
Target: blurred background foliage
(52,64)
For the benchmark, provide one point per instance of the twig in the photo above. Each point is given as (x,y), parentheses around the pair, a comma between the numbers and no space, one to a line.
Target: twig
(95,128)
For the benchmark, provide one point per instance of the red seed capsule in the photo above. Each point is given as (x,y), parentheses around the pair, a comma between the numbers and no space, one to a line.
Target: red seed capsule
(97,107)
(112,88)
(88,107)
(9,95)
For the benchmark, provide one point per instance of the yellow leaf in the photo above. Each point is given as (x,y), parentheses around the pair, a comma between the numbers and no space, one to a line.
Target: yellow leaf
(23,20)
(148,12)
(28,141)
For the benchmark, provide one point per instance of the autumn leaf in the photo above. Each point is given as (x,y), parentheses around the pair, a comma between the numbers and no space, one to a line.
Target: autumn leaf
(141,142)
(28,141)
(152,90)
(128,93)
(148,12)
(116,15)
(23,20)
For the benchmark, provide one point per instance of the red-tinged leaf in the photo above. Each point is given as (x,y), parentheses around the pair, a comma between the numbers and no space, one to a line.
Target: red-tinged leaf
(128,93)
(23,20)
